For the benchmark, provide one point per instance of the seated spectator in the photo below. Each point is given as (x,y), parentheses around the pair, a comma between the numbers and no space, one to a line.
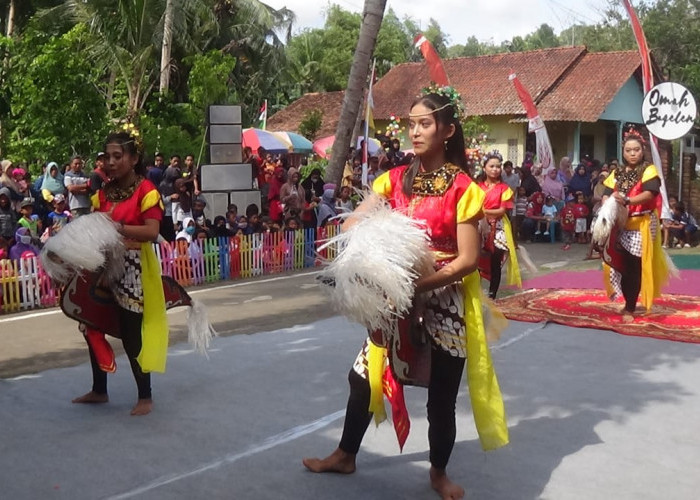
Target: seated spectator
(549,214)
(666,222)
(23,245)
(344,203)
(219,229)
(189,227)
(683,227)
(528,181)
(552,186)
(291,223)
(581,212)
(326,210)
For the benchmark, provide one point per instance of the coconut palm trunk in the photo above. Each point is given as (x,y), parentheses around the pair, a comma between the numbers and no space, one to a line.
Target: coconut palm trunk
(167,46)
(352,101)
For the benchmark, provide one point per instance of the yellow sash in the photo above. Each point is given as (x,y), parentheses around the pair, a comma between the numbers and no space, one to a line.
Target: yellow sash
(154,329)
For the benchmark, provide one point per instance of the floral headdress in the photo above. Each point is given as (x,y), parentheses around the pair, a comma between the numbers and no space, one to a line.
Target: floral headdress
(493,154)
(135,135)
(452,94)
(633,133)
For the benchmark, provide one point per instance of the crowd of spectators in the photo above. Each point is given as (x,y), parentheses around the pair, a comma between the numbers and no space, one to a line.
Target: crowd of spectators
(560,203)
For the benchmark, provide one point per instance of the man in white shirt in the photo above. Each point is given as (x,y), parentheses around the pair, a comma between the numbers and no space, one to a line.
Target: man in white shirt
(78,186)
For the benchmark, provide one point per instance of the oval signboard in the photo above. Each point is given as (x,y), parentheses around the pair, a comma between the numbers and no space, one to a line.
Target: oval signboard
(669,110)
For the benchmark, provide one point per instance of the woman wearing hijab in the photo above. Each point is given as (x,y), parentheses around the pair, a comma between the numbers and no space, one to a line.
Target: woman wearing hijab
(326,210)
(581,181)
(552,186)
(6,180)
(53,182)
(313,187)
(565,171)
(292,194)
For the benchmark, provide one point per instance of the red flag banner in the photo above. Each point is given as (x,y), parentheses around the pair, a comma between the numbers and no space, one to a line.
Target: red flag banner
(435,68)
(647,84)
(535,124)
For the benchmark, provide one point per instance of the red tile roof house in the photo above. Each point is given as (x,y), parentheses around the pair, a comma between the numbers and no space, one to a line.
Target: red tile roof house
(585,98)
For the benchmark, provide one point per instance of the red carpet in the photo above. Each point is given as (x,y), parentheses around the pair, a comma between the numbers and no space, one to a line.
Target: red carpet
(673,317)
(687,284)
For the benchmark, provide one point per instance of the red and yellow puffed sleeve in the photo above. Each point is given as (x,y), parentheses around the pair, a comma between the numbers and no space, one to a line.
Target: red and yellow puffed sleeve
(151,204)
(610,180)
(470,204)
(382,185)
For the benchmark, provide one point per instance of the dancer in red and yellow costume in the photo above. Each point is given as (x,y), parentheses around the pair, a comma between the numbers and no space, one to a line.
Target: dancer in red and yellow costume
(495,228)
(634,259)
(134,203)
(435,190)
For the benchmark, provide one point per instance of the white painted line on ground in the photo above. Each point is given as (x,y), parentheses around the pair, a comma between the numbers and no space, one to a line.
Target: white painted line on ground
(193,292)
(25,377)
(520,337)
(259,298)
(271,442)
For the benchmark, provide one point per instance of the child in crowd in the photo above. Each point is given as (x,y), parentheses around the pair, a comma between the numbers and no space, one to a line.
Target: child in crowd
(291,224)
(220,230)
(20,177)
(198,206)
(8,218)
(344,202)
(242,226)
(60,215)
(581,212)
(520,210)
(27,220)
(183,208)
(549,213)
(568,224)
(232,219)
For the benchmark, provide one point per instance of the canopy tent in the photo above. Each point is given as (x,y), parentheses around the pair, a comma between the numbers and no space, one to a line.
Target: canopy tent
(323,146)
(255,138)
(297,142)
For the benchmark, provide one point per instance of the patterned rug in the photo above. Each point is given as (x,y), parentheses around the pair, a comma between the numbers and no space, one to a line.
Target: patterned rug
(673,317)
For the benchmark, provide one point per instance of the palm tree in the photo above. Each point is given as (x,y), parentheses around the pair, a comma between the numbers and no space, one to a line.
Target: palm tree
(371,22)
(128,35)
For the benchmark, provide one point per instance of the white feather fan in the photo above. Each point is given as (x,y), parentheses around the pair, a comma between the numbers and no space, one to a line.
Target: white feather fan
(611,214)
(372,278)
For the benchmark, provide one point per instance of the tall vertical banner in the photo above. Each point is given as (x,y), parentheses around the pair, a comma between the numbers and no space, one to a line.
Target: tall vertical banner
(535,124)
(647,84)
(369,124)
(432,58)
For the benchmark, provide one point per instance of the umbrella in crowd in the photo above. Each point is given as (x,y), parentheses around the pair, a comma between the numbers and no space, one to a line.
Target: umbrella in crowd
(255,137)
(323,146)
(297,142)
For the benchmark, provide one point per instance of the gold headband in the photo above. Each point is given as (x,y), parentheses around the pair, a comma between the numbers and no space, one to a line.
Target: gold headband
(412,115)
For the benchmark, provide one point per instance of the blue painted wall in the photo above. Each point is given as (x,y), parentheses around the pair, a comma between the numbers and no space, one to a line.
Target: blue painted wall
(626,106)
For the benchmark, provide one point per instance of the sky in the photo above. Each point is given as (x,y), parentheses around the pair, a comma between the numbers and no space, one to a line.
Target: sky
(490,21)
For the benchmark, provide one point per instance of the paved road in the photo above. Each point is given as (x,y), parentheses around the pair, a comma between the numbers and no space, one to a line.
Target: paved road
(592,415)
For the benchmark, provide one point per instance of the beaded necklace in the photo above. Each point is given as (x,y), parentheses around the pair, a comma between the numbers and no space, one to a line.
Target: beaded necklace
(115,193)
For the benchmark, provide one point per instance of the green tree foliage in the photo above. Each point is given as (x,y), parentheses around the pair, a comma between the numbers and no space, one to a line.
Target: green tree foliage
(56,108)
(311,123)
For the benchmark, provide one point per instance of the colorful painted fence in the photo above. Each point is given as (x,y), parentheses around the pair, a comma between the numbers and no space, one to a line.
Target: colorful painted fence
(24,285)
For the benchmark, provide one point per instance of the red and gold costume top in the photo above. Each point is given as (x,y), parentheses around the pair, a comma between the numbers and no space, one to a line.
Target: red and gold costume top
(630,183)
(441,199)
(134,205)
(497,196)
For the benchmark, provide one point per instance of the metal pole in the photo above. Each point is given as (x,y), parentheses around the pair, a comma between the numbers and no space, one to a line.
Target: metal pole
(680,169)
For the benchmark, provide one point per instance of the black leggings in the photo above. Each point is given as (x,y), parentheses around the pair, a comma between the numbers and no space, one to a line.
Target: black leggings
(496,264)
(445,377)
(631,282)
(130,326)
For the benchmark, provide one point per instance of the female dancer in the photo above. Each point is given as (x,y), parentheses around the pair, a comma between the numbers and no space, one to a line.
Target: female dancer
(135,205)
(435,189)
(634,258)
(496,232)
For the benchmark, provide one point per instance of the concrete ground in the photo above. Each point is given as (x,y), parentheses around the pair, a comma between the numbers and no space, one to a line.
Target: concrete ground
(592,414)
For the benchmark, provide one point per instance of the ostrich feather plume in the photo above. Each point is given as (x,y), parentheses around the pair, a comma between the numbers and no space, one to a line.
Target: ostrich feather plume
(611,214)
(371,281)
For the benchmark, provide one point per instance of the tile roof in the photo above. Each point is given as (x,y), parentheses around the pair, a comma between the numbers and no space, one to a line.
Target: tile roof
(589,86)
(566,83)
(482,81)
(288,119)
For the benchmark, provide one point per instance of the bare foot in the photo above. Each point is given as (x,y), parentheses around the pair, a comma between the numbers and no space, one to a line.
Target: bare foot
(627,316)
(338,461)
(444,487)
(91,397)
(143,407)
